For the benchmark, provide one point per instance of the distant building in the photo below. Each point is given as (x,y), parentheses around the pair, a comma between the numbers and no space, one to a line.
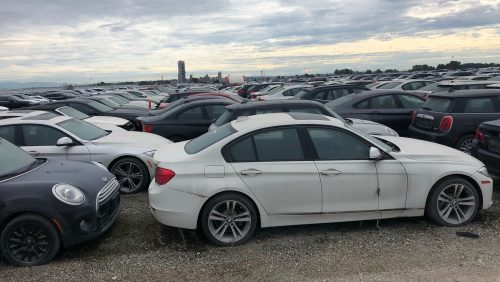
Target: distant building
(181,77)
(219,76)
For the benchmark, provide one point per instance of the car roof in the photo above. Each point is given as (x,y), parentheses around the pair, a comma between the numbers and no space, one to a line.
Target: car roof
(47,118)
(321,87)
(21,113)
(468,93)
(272,104)
(463,82)
(277,119)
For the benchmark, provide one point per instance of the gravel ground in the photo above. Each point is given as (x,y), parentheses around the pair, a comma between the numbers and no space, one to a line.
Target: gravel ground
(138,248)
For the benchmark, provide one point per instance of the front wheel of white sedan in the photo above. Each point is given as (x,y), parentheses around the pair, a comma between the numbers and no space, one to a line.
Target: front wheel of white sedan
(454,202)
(229,219)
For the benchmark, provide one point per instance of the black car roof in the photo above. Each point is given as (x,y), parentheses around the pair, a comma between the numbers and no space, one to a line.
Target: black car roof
(468,93)
(272,104)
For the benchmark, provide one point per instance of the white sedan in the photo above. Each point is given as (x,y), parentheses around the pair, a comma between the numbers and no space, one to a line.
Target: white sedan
(289,169)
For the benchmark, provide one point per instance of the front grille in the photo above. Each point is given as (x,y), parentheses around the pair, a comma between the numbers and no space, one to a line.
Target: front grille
(107,191)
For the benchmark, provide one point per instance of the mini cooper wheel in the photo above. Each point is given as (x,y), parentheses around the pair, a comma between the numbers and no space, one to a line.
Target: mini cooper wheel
(229,219)
(29,240)
(464,144)
(454,202)
(132,175)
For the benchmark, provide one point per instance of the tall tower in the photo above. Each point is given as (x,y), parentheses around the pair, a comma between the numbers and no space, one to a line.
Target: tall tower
(181,77)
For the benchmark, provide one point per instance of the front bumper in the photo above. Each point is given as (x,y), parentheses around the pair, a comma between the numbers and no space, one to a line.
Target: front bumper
(174,207)
(89,222)
(444,138)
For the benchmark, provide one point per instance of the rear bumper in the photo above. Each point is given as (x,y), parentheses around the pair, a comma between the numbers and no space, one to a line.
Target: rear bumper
(491,160)
(444,138)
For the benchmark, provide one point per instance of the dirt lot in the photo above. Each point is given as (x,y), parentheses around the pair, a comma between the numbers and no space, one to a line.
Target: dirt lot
(138,248)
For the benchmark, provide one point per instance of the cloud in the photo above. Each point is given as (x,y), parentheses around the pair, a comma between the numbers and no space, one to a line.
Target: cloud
(72,41)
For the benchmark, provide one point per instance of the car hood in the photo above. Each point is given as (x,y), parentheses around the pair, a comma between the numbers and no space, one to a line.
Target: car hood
(427,151)
(107,119)
(145,140)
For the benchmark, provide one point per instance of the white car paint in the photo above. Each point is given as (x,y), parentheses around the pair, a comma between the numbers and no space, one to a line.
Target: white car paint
(292,193)
(284,92)
(3,108)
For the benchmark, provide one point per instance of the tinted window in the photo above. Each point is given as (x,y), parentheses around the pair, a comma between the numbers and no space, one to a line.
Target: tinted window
(322,95)
(40,135)
(14,160)
(389,85)
(204,141)
(215,111)
(331,144)
(278,145)
(109,103)
(337,93)
(8,133)
(192,113)
(437,104)
(288,93)
(82,129)
(82,108)
(99,106)
(383,102)
(411,102)
(479,105)
(243,151)
(68,111)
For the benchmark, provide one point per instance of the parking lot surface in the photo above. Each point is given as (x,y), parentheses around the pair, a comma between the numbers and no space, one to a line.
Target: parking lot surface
(138,248)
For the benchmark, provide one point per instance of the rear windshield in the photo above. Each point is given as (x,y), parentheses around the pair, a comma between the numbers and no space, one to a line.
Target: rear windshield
(437,104)
(99,106)
(71,112)
(206,140)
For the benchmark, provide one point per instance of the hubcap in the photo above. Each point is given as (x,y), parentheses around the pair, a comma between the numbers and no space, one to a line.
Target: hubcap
(28,243)
(129,176)
(456,203)
(229,221)
(466,146)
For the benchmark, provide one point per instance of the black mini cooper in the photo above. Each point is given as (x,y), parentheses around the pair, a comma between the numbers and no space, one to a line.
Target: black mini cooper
(49,204)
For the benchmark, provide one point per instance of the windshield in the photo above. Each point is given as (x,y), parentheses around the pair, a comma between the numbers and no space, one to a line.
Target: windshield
(430,87)
(71,112)
(206,140)
(372,139)
(437,104)
(109,103)
(119,100)
(99,106)
(14,160)
(82,129)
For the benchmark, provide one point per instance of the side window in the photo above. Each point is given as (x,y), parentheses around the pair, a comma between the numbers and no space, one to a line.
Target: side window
(362,104)
(288,93)
(357,90)
(383,102)
(267,111)
(39,135)
(332,144)
(296,91)
(215,111)
(306,110)
(337,93)
(411,102)
(408,86)
(479,105)
(321,95)
(8,133)
(81,107)
(192,113)
(269,146)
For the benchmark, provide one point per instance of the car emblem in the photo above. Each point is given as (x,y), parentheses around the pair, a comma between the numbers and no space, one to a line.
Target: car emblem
(104,179)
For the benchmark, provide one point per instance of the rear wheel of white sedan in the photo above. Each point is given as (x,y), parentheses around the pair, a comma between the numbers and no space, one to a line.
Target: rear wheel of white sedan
(132,175)
(229,219)
(454,202)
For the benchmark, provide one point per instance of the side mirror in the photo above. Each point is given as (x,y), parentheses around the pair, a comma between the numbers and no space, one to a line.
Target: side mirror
(375,153)
(65,141)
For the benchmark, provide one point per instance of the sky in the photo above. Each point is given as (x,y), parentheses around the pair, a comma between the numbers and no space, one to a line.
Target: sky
(120,40)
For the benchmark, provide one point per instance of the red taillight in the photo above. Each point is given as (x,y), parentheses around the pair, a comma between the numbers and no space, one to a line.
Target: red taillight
(163,175)
(479,136)
(446,123)
(413,116)
(147,128)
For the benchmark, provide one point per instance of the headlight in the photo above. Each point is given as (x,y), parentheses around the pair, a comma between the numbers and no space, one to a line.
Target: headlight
(484,171)
(68,194)
(100,165)
(150,154)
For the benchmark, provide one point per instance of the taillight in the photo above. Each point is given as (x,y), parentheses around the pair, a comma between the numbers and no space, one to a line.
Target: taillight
(479,136)
(413,116)
(147,128)
(163,175)
(446,123)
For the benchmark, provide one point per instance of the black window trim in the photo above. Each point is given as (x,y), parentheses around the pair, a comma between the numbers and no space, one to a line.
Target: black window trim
(19,127)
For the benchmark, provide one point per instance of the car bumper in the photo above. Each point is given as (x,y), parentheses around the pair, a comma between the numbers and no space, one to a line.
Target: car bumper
(443,138)
(88,222)
(174,207)
(491,160)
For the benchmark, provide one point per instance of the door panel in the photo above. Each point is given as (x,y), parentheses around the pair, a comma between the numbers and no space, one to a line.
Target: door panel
(393,184)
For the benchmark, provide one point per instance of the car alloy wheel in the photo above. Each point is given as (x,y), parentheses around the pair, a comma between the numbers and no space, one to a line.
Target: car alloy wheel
(229,219)
(132,175)
(465,144)
(454,202)
(29,240)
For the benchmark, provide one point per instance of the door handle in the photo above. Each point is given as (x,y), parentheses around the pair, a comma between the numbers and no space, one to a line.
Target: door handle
(251,171)
(34,153)
(331,171)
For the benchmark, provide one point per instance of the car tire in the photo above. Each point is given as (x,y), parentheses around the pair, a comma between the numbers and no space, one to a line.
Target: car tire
(453,202)
(229,219)
(132,175)
(176,139)
(464,144)
(29,240)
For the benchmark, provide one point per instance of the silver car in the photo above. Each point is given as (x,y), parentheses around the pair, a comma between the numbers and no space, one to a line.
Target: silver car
(127,154)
